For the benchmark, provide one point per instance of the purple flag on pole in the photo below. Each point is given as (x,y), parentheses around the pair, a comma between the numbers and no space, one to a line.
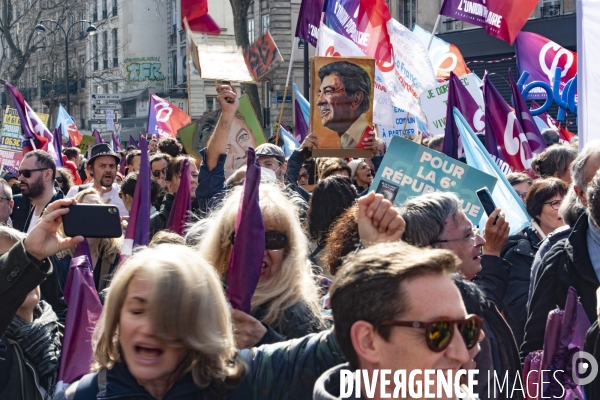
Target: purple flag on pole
(459,97)
(115,142)
(98,136)
(138,228)
(57,141)
(123,165)
(133,143)
(504,136)
(182,204)
(249,244)
(69,142)
(309,19)
(532,132)
(84,309)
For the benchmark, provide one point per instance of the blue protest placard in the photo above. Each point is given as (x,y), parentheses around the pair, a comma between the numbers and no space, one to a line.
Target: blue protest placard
(409,169)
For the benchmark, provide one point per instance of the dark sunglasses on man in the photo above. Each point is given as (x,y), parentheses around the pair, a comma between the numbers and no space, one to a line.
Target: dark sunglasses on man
(158,172)
(273,240)
(27,172)
(59,179)
(439,333)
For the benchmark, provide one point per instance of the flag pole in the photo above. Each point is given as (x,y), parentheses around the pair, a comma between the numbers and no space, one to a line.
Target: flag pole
(287,81)
(189,80)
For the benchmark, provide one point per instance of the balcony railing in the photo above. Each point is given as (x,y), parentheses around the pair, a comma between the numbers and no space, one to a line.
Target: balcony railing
(453,25)
(550,11)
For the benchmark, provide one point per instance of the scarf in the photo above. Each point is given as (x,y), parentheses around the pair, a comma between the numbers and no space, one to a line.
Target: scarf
(40,342)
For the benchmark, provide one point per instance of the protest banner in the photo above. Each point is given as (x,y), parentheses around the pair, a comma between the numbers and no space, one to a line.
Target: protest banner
(43,117)
(11,152)
(165,118)
(245,132)
(342,101)
(409,170)
(262,56)
(87,142)
(445,57)
(435,102)
(402,127)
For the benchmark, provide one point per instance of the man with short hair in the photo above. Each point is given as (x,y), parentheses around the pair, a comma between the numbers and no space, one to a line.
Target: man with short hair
(170,146)
(551,136)
(6,203)
(385,299)
(134,159)
(36,180)
(153,146)
(344,100)
(573,261)
(102,167)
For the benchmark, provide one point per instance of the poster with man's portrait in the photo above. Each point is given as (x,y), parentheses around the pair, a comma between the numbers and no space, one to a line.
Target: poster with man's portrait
(342,101)
(245,132)
(262,56)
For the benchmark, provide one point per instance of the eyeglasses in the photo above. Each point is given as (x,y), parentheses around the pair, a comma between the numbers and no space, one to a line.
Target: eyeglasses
(439,333)
(3,199)
(555,204)
(304,176)
(522,195)
(472,238)
(273,240)
(156,173)
(59,179)
(27,172)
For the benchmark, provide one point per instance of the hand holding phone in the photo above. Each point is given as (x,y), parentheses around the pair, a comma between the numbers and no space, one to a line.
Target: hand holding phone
(92,221)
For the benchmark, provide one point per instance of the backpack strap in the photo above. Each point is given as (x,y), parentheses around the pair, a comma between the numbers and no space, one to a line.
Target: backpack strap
(87,388)
(5,362)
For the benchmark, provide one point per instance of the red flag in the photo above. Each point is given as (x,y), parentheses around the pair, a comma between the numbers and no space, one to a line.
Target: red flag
(165,118)
(196,12)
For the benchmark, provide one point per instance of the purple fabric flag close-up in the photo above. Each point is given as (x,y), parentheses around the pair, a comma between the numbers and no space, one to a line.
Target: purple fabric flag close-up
(309,19)
(138,228)
(133,143)
(57,142)
(98,136)
(182,204)
(301,127)
(84,309)
(33,130)
(245,263)
(69,141)
(532,132)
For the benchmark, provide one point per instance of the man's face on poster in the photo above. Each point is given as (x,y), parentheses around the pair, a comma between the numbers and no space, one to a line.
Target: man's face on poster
(240,138)
(338,110)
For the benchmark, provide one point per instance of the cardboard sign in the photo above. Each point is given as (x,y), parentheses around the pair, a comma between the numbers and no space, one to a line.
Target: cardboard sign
(245,132)
(87,142)
(434,104)
(342,101)
(11,152)
(43,117)
(262,56)
(410,170)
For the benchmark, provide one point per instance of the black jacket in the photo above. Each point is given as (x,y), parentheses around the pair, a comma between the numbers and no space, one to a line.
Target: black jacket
(566,264)
(159,219)
(298,321)
(520,251)
(592,346)
(21,214)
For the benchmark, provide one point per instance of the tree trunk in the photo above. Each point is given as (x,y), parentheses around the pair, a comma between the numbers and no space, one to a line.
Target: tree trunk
(240,23)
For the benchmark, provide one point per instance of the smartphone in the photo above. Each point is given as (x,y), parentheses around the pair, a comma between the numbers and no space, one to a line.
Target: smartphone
(92,221)
(485,197)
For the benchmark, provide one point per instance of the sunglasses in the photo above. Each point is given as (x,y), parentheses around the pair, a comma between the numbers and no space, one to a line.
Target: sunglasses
(273,240)
(59,179)
(158,172)
(27,172)
(439,334)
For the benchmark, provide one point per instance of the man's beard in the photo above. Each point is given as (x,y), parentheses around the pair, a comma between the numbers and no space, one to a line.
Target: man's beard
(34,190)
(105,181)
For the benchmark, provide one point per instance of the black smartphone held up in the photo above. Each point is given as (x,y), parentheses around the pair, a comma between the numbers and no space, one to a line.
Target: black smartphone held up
(485,197)
(92,221)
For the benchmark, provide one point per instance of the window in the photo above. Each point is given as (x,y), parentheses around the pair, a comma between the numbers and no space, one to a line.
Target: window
(114,8)
(410,13)
(184,67)
(116,87)
(105,52)
(104,9)
(212,103)
(266,23)
(251,30)
(115,38)
(550,9)
(95,13)
(174,70)
(173,17)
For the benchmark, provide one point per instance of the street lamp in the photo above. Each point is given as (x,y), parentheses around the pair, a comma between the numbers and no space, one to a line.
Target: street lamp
(91,30)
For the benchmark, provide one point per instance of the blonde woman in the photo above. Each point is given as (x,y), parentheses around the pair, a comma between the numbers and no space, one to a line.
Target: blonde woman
(104,251)
(286,298)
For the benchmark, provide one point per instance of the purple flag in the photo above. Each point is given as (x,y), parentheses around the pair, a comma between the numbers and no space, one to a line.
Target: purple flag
(98,136)
(532,132)
(69,142)
(301,127)
(123,165)
(138,228)
(249,245)
(133,143)
(182,204)
(504,136)
(459,97)
(309,19)
(84,309)
(57,142)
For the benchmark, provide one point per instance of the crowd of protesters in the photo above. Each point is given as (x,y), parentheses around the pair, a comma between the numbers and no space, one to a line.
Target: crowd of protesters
(348,280)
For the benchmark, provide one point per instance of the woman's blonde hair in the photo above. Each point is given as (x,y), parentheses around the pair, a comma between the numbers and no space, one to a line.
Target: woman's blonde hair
(187,308)
(292,281)
(108,248)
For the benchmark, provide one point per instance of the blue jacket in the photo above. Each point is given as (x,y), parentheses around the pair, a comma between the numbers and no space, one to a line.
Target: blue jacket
(21,214)
(211,184)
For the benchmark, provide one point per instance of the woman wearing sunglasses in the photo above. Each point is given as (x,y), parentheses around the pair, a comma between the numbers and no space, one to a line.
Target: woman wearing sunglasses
(542,203)
(64,179)
(286,297)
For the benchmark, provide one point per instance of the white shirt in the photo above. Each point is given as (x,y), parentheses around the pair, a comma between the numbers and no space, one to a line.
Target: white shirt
(33,221)
(110,197)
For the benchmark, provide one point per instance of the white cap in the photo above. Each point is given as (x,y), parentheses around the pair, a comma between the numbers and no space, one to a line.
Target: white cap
(354,165)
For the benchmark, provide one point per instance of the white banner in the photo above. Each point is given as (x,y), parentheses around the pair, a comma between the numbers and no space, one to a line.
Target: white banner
(434,104)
